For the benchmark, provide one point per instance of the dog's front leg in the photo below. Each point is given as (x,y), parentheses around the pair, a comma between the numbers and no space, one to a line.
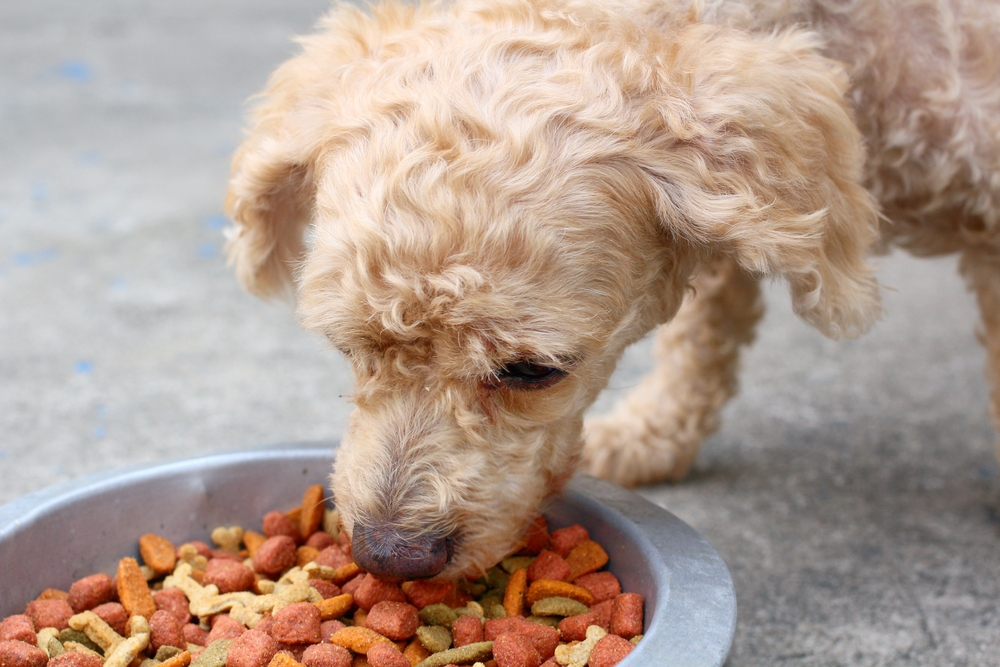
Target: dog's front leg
(654,433)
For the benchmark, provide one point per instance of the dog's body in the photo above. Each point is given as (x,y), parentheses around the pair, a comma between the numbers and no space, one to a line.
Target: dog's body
(482,204)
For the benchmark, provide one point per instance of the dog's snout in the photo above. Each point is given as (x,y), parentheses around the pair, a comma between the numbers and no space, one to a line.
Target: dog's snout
(390,553)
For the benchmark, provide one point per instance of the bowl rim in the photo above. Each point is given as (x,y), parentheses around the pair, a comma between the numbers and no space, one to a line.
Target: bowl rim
(692,624)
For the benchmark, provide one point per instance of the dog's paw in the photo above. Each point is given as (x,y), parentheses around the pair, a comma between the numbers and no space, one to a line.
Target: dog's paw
(627,453)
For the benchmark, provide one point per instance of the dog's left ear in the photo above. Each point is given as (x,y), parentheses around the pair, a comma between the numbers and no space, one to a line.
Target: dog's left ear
(752,152)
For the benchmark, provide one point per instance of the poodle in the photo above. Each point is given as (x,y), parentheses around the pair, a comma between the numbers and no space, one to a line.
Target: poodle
(482,203)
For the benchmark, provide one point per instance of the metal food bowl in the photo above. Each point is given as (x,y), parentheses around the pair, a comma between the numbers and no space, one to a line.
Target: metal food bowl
(55,536)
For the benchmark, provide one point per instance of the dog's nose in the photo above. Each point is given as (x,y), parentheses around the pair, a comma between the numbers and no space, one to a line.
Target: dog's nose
(390,553)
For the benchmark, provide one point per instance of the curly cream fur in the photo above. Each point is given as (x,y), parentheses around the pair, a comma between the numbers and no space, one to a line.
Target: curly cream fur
(454,187)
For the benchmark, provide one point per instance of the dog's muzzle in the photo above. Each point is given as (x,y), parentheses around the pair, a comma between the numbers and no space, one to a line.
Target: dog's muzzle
(390,553)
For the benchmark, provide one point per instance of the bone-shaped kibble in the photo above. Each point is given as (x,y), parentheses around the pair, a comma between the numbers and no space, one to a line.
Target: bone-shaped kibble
(577,655)
(97,630)
(228,539)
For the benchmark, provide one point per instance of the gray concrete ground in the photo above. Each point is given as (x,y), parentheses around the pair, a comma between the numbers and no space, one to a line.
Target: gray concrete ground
(852,490)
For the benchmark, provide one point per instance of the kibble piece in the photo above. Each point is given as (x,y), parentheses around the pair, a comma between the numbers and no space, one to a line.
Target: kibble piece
(333,556)
(548,565)
(609,651)
(174,601)
(435,638)
(14,653)
(459,656)
(325,588)
(75,659)
(328,628)
(626,615)
(603,611)
(374,590)
(252,539)
(305,555)
(324,655)
(253,648)
(297,623)
(512,650)
(182,659)
(358,640)
(578,653)
(438,614)
(214,655)
(574,628)
(312,510)
(275,555)
(543,638)
(18,627)
(423,592)
(193,634)
(563,540)
(602,585)
(416,652)
(386,655)
(558,606)
(320,540)
(536,537)
(52,594)
(158,553)
(276,523)
(229,576)
(548,621)
(165,630)
(586,557)
(335,607)
(224,626)
(228,539)
(90,592)
(395,620)
(467,630)
(133,591)
(513,598)
(49,613)
(547,588)
(114,614)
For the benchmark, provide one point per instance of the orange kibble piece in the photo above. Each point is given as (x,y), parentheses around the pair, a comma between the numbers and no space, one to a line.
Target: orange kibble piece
(305,555)
(52,594)
(358,639)
(158,553)
(547,588)
(133,591)
(284,660)
(513,597)
(345,573)
(312,510)
(182,659)
(415,652)
(586,557)
(252,540)
(335,607)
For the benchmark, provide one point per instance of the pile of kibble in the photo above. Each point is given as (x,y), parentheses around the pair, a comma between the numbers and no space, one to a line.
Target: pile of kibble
(291,596)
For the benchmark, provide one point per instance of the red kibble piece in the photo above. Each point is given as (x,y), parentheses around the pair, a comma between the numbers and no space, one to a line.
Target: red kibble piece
(563,540)
(276,523)
(14,653)
(551,662)
(193,634)
(626,615)
(602,585)
(423,592)
(165,630)
(230,576)
(174,601)
(609,651)
(352,586)
(466,630)
(264,625)
(374,590)
(513,650)
(543,638)
(225,626)
(574,628)
(18,627)
(75,659)
(333,556)
(328,628)
(49,613)
(90,592)
(320,540)
(493,628)
(386,655)
(325,588)
(395,620)
(114,614)
(294,650)
(221,554)
(297,623)
(326,655)
(603,611)
(275,555)
(199,546)
(536,537)
(548,565)
(253,648)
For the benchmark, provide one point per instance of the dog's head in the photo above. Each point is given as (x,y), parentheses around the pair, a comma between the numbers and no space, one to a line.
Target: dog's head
(482,207)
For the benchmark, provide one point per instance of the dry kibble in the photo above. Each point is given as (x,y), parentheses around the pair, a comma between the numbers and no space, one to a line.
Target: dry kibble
(90,592)
(312,510)
(133,591)
(386,655)
(334,607)
(513,650)
(513,599)
(358,640)
(547,588)
(602,585)
(275,555)
(324,655)
(165,630)
(174,601)
(297,623)
(14,653)
(435,638)
(276,523)
(76,659)
(228,539)
(52,594)
(548,565)
(558,606)
(467,630)
(158,553)
(229,576)
(18,627)
(374,590)
(458,656)
(609,651)
(253,648)
(395,620)
(586,557)
(424,592)
(225,626)
(626,615)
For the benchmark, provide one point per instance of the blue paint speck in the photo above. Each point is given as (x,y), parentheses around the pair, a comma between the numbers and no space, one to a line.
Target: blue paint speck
(39,191)
(208,250)
(75,70)
(84,367)
(118,284)
(36,257)
(217,221)
(90,157)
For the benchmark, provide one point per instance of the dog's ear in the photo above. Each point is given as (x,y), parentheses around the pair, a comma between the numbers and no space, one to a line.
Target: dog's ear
(752,151)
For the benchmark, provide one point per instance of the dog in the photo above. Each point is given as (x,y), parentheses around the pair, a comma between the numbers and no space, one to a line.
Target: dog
(482,203)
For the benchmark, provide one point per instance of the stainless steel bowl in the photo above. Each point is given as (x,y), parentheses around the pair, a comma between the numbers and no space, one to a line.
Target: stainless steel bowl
(53,537)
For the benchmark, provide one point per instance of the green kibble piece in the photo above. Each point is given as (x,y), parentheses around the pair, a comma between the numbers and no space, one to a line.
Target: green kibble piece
(493,610)
(512,563)
(435,638)
(497,578)
(635,640)
(166,652)
(557,606)
(473,588)
(214,655)
(472,608)
(71,635)
(150,662)
(54,647)
(551,621)
(479,651)
(438,614)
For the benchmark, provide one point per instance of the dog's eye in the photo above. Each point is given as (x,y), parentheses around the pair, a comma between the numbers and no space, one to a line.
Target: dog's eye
(528,375)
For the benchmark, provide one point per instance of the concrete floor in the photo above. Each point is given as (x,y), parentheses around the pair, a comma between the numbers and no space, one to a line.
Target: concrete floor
(853,489)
